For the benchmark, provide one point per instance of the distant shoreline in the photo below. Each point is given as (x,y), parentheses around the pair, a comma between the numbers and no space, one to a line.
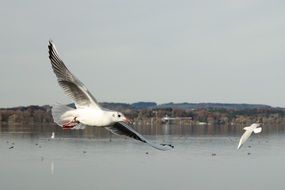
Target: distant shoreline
(181,105)
(150,113)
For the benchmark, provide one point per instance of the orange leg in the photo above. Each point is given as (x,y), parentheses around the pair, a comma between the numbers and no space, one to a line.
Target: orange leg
(70,124)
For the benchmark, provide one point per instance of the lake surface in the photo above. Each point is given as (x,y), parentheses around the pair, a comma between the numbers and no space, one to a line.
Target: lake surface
(203,158)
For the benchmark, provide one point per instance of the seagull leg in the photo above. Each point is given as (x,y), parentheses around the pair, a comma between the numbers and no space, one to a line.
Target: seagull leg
(70,124)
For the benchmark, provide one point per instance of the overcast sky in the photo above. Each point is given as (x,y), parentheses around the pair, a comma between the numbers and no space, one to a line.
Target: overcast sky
(164,51)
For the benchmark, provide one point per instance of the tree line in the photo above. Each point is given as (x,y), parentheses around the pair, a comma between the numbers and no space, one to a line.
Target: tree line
(150,116)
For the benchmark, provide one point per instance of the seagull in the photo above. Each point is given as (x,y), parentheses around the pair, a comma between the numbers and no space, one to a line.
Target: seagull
(88,111)
(52,135)
(248,131)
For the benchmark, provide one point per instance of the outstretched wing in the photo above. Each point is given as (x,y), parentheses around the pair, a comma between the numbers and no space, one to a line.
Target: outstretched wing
(121,128)
(243,138)
(70,84)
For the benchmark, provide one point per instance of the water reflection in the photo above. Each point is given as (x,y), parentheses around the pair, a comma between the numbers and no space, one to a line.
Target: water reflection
(34,131)
(52,167)
(87,159)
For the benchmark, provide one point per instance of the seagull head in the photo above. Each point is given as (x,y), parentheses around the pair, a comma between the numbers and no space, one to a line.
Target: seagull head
(255,125)
(118,117)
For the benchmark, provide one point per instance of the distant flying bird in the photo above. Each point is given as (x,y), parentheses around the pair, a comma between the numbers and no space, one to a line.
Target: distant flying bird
(88,112)
(248,131)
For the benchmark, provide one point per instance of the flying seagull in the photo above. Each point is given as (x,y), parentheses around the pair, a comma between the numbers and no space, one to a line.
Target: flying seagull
(88,111)
(248,131)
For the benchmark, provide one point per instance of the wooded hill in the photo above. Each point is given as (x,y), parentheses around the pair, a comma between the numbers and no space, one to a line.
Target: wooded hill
(150,112)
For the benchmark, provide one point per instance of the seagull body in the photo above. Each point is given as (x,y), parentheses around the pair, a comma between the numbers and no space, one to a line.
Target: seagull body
(248,131)
(88,112)
(92,117)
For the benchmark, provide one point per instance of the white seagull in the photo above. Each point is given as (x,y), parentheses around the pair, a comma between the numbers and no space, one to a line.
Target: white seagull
(52,135)
(248,131)
(88,112)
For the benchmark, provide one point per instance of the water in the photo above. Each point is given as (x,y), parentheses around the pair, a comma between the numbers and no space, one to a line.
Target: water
(203,158)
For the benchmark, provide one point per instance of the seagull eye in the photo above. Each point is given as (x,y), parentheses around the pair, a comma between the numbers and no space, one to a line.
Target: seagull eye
(119,115)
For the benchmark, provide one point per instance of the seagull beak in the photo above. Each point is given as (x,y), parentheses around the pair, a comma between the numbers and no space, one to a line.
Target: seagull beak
(126,120)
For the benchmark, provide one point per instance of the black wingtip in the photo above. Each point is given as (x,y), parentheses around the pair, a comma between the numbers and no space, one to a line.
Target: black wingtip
(52,49)
(50,45)
(170,145)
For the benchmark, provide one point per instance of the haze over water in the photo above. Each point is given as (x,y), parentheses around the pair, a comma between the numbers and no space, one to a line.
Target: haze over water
(203,158)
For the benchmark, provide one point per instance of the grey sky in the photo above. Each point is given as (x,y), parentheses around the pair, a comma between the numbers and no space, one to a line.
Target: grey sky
(127,51)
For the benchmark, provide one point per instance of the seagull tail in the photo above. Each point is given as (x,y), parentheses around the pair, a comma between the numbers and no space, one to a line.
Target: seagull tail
(64,116)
